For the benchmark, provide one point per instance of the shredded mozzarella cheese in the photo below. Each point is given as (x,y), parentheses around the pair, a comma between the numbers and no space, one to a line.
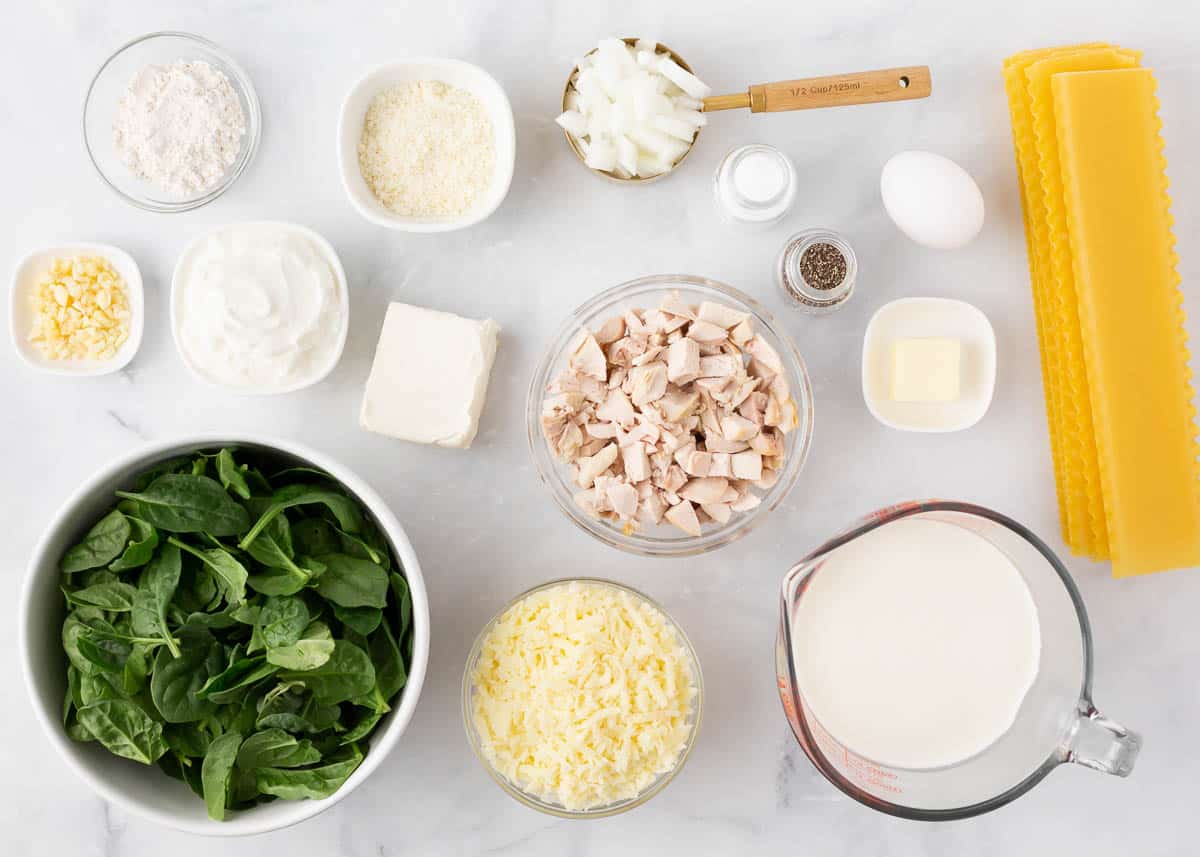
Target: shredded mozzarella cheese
(583,695)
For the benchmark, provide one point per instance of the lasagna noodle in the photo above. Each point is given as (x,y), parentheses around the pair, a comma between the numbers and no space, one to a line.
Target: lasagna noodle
(1130,315)
(1081,470)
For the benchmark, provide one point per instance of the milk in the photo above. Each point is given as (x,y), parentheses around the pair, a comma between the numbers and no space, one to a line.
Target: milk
(915,644)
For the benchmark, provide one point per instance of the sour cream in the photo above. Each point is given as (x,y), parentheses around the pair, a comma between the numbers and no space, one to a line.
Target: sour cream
(260,307)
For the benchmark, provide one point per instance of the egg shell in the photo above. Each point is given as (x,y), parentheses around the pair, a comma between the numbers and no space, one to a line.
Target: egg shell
(933,200)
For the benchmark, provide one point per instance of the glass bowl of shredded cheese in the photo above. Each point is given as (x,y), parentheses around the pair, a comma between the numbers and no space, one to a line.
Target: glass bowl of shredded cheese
(582,698)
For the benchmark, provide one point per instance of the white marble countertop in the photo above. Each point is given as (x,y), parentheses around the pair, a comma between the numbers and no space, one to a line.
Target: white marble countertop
(484,527)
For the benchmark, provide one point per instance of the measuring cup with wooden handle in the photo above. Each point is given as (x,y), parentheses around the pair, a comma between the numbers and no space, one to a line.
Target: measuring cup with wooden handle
(836,90)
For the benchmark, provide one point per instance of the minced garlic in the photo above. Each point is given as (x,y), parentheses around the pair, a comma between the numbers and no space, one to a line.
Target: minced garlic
(80,310)
(583,695)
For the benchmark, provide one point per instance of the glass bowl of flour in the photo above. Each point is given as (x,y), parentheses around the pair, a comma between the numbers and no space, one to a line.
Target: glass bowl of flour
(170,121)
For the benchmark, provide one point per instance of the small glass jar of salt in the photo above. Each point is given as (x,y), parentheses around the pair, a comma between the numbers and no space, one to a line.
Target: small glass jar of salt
(755,184)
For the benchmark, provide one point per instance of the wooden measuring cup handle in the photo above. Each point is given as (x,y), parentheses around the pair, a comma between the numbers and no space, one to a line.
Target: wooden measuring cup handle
(835,90)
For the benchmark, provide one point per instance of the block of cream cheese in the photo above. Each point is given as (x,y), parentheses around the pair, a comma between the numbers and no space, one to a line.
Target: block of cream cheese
(926,369)
(430,376)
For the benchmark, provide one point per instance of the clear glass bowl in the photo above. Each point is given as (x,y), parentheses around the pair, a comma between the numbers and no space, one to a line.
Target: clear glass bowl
(109,85)
(535,802)
(665,540)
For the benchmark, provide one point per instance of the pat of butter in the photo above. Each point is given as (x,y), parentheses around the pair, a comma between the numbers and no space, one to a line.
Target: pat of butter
(430,376)
(926,370)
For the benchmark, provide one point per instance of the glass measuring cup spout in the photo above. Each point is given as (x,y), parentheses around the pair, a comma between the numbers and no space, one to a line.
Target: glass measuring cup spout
(1056,721)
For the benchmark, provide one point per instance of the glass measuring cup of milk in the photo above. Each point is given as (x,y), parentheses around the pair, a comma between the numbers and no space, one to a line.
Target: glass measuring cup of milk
(933,727)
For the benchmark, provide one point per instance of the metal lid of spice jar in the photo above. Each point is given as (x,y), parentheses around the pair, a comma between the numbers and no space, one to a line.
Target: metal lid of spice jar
(817,270)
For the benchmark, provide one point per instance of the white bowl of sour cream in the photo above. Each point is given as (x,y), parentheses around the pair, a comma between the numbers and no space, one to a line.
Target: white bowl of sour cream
(260,308)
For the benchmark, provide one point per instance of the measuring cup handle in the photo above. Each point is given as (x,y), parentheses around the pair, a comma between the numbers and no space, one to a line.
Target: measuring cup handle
(839,90)
(1101,744)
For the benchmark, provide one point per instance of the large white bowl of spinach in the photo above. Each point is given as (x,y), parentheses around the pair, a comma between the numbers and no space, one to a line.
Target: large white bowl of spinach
(242,615)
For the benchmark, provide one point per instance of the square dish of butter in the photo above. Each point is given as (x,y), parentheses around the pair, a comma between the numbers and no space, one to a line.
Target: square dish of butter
(430,376)
(929,365)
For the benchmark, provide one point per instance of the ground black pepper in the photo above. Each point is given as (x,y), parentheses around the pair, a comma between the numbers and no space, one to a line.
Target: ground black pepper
(823,266)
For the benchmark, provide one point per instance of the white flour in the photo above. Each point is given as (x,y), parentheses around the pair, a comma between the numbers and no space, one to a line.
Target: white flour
(179,126)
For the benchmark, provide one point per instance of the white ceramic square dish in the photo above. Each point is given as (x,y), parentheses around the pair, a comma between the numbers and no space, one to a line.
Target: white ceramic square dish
(457,73)
(20,311)
(917,318)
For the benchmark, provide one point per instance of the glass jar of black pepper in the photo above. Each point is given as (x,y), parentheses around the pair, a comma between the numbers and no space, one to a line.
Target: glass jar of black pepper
(817,270)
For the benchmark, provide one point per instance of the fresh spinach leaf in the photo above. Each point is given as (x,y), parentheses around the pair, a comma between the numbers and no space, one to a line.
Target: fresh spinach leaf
(346,674)
(352,582)
(313,649)
(176,681)
(102,544)
(184,503)
(402,597)
(315,536)
(231,476)
(231,574)
(282,620)
(278,581)
(315,783)
(106,653)
(124,729)
(242,673)
(277,749)
(345,509)
(156,588)
(143,539)
(363,620)
(115,597)
(390,672)
(216,771)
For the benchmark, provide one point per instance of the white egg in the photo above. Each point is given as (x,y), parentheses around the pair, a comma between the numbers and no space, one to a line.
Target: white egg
(933,200)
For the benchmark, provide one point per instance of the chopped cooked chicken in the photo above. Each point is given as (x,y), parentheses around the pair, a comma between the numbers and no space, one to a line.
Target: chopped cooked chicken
(683,515)
(649,383)
(594,465)
(588,359)
(735,428)
(706,331)
(706,490)
(747,465)
(623,498)
(683,361)
(636,462)
(675,414)
(722,316)
(720,366)
(617,409)
(719,512)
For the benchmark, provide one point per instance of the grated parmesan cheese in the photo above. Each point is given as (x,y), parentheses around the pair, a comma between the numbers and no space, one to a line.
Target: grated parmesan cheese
(427,149)
(80,310)
(583,695)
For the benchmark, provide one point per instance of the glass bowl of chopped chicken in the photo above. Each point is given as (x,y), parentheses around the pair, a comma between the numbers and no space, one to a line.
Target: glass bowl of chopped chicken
(669,415)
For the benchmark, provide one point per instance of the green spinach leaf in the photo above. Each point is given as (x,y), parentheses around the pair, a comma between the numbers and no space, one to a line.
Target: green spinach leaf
(346,674)
(102,544)
(345,509)
(216,771)
(313,649)
(231,476)
(124,729)
(184,503)
(315,783)
(278,749)
(352,582)
(143,539)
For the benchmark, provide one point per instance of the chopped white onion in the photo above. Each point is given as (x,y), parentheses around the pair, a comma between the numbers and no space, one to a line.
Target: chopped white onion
(633,110)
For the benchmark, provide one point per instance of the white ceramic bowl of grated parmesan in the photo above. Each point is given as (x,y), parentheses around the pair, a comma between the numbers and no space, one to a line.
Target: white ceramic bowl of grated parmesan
(425,195)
